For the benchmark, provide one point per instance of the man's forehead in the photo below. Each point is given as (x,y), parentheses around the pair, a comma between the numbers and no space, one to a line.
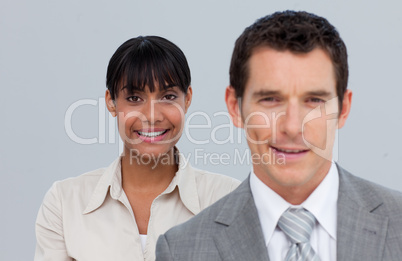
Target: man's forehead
(273,70)
(264,55)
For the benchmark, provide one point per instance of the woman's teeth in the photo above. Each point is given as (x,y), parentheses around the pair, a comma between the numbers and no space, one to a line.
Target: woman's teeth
(151,134)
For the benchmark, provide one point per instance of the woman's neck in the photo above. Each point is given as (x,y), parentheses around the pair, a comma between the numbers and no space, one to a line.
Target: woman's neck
(148,174)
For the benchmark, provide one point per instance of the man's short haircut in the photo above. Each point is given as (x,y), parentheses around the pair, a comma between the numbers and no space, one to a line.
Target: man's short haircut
(147,61)
(298,32)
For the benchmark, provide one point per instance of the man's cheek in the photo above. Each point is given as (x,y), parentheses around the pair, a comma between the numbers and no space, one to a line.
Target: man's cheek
(314,132)
(258,128)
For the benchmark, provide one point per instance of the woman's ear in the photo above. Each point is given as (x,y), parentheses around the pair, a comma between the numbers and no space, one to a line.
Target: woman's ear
(110,104)
(232,103)
(188,98)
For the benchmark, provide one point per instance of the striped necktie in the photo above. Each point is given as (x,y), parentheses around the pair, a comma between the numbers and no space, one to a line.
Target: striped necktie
(297,224)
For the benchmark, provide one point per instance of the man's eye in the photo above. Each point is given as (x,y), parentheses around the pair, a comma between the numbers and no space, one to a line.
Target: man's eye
(170,97)
(315,100)
(270,99)
(133,99)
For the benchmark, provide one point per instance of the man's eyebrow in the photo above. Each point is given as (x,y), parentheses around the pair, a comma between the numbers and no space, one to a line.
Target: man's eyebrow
(319,93)
(262,93)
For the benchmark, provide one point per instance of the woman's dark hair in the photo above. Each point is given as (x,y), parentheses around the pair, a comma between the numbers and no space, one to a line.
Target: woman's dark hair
(147,61)
(298,32)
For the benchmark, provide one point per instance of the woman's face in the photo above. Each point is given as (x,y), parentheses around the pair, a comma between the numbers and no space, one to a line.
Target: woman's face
(150,123)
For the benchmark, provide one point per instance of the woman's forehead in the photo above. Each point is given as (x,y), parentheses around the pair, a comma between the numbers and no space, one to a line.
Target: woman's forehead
(130,88)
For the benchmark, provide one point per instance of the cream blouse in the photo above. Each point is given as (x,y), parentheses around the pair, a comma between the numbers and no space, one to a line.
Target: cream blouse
(89,217)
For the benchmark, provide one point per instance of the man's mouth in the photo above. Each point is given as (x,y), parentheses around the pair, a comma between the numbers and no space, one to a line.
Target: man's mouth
(289,151)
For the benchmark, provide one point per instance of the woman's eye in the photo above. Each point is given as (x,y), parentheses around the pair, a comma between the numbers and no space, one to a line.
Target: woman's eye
(133,99)
(170,97)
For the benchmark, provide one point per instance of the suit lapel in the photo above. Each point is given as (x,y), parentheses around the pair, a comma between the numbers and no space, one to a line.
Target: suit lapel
(242,239)
(361,233)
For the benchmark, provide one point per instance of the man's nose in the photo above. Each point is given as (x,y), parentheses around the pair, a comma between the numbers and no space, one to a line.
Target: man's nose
(291,122)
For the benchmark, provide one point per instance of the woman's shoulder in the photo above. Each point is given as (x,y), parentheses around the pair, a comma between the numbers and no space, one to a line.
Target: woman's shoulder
(87,179)
(213,178)
(71,189)
(82,188)
(212,186)
(206,180)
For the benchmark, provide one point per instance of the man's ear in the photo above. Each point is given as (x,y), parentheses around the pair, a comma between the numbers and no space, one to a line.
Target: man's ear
(346,105)
(232,103)
(188,98)
(110,104)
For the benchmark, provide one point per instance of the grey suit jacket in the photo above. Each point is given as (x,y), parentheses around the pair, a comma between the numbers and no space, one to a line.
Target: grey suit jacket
(369,227)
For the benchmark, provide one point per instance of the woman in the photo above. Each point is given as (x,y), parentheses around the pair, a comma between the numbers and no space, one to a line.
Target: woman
(118,213)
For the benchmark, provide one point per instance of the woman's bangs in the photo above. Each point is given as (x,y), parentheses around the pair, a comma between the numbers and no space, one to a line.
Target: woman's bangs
(151,73)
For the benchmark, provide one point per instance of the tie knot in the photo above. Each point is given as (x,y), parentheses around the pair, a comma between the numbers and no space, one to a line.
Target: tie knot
(297,224)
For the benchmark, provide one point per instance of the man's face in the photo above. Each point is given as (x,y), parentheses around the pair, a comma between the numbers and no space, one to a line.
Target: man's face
(289,112)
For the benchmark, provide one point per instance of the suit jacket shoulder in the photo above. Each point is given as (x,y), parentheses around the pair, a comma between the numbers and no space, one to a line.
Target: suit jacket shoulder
(228,230)
(364,192)
(369,226)
(369,220)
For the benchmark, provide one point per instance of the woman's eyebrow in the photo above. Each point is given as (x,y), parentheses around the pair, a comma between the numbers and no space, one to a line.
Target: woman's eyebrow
(129,88)
(172,85)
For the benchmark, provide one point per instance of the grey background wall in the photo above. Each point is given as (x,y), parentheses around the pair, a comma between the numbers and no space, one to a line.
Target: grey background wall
(54,54)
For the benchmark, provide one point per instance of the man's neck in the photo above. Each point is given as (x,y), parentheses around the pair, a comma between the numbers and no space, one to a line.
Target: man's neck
(294,194)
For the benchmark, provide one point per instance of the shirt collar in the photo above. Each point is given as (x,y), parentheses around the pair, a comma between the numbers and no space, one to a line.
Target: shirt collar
(268,213)
(322,203)
(110,181)
(111,178)
(186,183)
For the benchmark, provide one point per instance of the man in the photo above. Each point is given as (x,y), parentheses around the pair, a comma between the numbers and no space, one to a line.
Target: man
(288,90)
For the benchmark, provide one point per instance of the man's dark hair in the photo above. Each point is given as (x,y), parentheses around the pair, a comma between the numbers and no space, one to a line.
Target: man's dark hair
(298,32)
(147,61)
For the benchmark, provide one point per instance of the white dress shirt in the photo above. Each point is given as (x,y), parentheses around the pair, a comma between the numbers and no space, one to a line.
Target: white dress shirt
(89,217)
(322,203)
